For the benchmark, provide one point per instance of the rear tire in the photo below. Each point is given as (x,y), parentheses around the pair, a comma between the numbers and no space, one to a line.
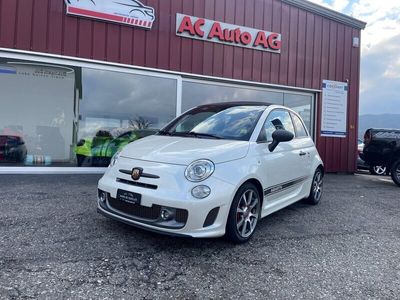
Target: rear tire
(316,188)
(378,170)
(395,172)
(244,214)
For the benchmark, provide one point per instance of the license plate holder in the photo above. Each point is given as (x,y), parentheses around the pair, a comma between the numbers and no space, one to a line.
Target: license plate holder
(129,197)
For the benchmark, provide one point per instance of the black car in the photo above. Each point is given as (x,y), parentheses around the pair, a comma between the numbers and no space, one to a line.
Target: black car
(12,149)
(363,165)
(382,147)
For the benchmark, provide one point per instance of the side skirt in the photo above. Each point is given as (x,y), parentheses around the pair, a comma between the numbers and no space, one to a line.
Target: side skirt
(296,190)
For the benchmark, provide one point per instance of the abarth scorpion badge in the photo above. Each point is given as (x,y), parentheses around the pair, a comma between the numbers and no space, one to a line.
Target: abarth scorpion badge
(136,173)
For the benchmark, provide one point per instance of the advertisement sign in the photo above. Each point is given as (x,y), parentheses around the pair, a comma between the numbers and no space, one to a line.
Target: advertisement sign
(334,109)
(40,101)
(128,12)
(228,34)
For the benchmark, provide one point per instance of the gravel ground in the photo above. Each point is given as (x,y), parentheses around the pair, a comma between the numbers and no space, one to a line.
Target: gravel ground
(54,245)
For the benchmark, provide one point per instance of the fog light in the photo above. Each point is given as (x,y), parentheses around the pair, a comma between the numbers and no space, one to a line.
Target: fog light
(201,191)
(167,213)
(102,196)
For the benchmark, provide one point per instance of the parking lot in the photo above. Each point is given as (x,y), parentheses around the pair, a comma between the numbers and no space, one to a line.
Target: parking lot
(53,244)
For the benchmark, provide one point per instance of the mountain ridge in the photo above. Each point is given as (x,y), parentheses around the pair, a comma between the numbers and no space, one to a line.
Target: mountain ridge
(391,121)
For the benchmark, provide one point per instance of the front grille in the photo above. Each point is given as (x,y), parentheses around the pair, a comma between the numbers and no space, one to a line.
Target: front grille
(150,214)
(139,211)
(139,184)
(181,215)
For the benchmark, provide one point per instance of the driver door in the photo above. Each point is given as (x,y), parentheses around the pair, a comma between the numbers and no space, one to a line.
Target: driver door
(283,169)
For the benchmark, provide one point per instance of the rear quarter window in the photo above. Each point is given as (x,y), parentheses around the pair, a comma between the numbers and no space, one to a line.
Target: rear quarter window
(299,126)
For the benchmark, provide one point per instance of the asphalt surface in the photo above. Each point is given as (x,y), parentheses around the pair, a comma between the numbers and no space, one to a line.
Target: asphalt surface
(54,245)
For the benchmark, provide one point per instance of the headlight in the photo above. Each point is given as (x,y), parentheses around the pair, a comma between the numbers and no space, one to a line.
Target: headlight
(199,170)
(114,159)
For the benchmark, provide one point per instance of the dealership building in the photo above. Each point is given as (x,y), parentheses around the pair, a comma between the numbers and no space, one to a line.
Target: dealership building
(79,79)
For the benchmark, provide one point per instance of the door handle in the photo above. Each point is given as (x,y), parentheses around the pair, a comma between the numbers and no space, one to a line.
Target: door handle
(302,153)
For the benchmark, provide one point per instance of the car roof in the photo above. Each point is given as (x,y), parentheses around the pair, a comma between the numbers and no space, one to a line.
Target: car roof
(384,129)
(235,103)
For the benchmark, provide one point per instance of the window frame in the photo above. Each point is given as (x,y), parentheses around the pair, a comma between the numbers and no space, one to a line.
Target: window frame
(262,127)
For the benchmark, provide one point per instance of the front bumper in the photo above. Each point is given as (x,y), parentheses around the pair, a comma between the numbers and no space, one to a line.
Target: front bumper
(172,195)
(128,221)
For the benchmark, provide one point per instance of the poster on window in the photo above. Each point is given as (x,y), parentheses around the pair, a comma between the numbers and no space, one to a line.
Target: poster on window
(37,107)
(334,109)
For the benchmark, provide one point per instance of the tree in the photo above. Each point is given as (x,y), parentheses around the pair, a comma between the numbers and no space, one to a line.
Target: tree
(140,123)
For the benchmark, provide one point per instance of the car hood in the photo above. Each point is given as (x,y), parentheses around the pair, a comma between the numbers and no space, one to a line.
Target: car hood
(183,151)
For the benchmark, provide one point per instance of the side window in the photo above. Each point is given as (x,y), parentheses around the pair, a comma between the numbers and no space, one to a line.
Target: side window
(299,127)
(277,119)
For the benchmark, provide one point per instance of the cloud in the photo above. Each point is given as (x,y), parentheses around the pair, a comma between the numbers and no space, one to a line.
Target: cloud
(382,19)
(381,79)
(380,52)
(393,70)
(338,5)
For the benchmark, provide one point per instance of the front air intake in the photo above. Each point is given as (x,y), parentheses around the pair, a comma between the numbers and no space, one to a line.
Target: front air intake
(211,217)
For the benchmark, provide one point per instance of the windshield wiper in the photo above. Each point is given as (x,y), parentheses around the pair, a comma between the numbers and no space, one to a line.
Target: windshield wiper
(163,132)
(199,134)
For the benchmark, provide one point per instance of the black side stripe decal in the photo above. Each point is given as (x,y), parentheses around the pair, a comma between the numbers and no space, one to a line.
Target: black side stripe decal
(283,186)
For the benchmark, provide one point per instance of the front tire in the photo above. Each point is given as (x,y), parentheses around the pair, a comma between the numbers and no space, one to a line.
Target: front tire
(316,188)
(244,214)
(395,172)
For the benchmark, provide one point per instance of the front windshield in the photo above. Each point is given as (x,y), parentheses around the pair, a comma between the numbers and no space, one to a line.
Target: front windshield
(217,121)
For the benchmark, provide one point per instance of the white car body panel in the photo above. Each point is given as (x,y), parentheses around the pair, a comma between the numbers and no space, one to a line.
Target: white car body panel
(183,151)
(284,175)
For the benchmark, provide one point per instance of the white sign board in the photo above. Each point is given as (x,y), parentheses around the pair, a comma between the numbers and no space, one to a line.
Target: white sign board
(128,12)
(334,109)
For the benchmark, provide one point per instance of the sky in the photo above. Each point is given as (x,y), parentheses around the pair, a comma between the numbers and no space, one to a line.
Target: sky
(380,52)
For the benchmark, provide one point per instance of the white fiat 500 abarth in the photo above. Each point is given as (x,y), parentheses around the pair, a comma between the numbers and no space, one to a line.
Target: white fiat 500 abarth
(215,170)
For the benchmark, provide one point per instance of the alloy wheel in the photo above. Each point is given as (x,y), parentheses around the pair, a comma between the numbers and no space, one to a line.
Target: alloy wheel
(247,213)
(318,186)
(380,170)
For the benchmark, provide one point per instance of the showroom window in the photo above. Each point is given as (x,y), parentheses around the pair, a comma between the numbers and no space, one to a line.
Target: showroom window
(118,108)
(55,115)
(196,93)
(37,108)
(65,113)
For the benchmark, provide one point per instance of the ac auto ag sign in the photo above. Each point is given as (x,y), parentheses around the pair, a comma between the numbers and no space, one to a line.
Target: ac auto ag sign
(128,12)
(229,34)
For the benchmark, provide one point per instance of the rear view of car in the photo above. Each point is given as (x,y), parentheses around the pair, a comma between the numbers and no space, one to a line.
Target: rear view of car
(362,165)
(12,149)
(382,147)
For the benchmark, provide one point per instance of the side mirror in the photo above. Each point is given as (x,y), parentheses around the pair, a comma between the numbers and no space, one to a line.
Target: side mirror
(280,136)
